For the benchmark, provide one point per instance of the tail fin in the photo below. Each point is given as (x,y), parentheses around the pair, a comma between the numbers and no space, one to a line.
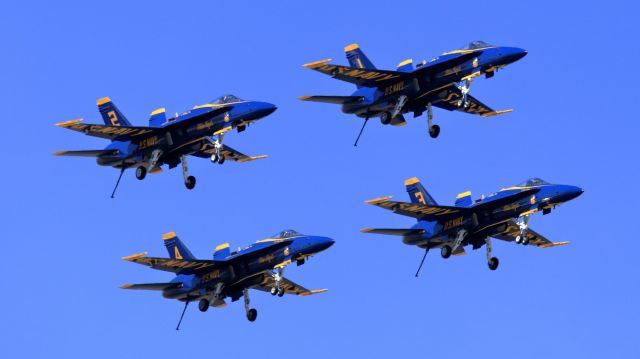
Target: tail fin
(357,58)
(175,247)
(110,113)
(418,194)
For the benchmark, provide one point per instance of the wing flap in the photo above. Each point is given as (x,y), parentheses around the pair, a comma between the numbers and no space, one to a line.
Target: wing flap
(207,149)
(289,286)
(338,100)
(418,211)
(358,76)
(513,230)
(109,132)
(178,266)
(449,98)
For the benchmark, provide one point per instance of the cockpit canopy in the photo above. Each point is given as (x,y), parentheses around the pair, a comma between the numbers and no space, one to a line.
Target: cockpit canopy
(476,45)
(287,233)
(533,182)
(226,99)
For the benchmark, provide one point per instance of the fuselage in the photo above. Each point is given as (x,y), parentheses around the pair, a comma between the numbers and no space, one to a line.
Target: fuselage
(183,140)
(241,273)
(486,223)
(428,88)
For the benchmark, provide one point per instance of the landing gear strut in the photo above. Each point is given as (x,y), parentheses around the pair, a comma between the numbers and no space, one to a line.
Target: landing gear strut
(465,89)
(434,130)
(189,181)
(277,276)
(523,224)
(491,261)
(252,314)
(217,155)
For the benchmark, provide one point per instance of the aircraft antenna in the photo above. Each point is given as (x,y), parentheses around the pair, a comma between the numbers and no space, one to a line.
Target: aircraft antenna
(117,183)
(186,303)
(362,129)
(422,262)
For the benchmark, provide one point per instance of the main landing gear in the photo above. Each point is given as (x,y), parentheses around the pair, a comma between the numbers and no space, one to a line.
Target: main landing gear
(217,156)
(189,181)
(252,314)
(277,276)
(523,224)
(492,262)
(141,172)
(434,130)
(465,88)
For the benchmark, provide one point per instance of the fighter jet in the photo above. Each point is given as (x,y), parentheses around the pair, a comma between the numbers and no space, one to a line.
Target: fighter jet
(444,81)
(197,132)
(231,274)
(503,215)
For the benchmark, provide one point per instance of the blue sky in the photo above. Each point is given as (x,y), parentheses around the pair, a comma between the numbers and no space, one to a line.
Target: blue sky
(573,97)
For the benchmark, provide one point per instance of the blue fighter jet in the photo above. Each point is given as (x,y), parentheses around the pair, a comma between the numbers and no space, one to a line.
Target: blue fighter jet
(502,215)
(444,81)
(231,274)
(198,132)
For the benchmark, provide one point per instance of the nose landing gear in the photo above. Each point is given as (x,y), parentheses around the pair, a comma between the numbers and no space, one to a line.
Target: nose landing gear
(189,181)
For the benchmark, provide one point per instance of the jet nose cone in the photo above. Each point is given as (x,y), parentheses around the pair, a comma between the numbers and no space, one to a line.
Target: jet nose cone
(263,109)
(323,243)
(575,192)
(513,54)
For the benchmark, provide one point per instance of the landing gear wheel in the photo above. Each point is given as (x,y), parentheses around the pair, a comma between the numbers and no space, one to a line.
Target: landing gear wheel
(385,118)
(525,241)
(445,252)
(434,131)
(252,314)
(221,159)
(519,239)
(493,263)
(274,291)
(191,182)
(214,158)
(280,292)
(141,172)
(203,305)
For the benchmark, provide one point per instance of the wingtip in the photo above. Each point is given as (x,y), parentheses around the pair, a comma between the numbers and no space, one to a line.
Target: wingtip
(69,123)
(134,256)
(378,200)
(313,65)
(555,244)
(496,113)
(126,286)
(311,292)
(366,230)
(304,98)
(58,153)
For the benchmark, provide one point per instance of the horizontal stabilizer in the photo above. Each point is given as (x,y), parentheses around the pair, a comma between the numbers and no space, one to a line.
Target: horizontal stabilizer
(339,100)
(152,286)
(87,153)
(394,231)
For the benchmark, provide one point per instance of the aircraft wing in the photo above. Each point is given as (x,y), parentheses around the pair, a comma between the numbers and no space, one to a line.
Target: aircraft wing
(535,238)
(394,231)
(207,149)
(339,100)
(86,153)
(358,76)
(289,287)
(152,286)
(105,131)
(449,101)
(418,211)
(178,266)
